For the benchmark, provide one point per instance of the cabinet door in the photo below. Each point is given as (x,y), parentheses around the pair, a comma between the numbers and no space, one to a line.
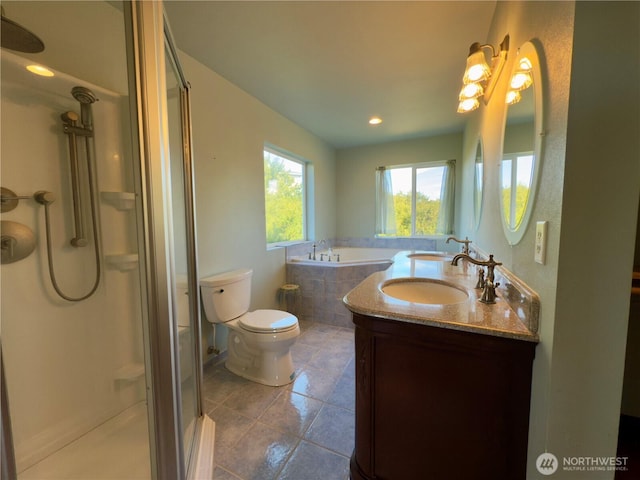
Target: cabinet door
(437,403)
(434,412)
(362,461)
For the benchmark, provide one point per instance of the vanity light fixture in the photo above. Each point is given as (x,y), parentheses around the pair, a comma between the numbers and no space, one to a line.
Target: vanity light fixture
(520,80)
(375,121)
(479,78)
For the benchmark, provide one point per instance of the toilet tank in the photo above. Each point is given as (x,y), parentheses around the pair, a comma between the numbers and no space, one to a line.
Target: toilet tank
(227,295)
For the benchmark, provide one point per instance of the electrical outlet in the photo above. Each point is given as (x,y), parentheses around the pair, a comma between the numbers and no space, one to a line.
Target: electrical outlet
(541,242)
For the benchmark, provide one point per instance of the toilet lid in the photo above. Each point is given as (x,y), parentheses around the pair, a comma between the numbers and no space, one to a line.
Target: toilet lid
(268,321)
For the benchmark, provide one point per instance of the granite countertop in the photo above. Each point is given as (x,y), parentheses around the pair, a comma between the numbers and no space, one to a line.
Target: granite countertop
(509,317)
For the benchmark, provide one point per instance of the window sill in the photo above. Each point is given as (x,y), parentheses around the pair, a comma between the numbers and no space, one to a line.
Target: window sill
(276,246)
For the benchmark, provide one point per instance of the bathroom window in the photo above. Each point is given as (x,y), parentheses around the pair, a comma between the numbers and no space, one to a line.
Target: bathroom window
(415,200)
(284,194)
(516,172)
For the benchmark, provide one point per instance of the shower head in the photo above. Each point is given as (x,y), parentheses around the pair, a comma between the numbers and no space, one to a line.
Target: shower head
(16,37)
(86,97)
(83,95)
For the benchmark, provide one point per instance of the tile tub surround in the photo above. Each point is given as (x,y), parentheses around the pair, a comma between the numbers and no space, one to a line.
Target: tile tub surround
(304,430)
(499,319)
(323,288)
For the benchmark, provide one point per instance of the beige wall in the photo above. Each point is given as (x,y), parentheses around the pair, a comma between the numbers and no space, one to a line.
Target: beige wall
(593,289)
(355,183)
(579,362)
(229,131)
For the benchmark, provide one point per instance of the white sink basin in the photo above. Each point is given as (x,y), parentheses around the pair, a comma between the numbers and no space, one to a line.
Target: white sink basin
(431,257)
(424,291)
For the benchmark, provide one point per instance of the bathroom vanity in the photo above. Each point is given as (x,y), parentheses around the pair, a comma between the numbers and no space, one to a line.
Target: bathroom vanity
(442,391)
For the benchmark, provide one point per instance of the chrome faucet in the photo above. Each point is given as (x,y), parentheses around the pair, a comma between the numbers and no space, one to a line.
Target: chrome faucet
(489,288)
(466,242)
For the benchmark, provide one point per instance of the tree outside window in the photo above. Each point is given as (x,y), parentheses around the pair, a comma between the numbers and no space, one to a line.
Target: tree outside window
(284,187)
(413,200)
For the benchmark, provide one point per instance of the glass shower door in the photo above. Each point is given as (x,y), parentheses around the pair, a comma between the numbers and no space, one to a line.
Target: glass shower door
(185,288)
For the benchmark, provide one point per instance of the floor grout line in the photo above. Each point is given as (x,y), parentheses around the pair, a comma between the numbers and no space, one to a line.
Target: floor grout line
(332,333)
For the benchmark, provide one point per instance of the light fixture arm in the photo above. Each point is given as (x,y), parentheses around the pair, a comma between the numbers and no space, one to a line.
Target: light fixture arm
(497,64)
(476,47)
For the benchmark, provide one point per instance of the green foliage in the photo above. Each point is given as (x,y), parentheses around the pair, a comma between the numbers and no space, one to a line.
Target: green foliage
(522,195)
(426,214)
(283,202)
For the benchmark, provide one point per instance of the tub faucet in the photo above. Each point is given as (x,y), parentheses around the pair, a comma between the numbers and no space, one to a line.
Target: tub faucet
(489,289)
(466,242)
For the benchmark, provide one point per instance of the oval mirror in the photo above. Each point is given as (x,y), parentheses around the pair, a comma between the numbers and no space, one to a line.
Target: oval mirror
(478,183)
(522,143)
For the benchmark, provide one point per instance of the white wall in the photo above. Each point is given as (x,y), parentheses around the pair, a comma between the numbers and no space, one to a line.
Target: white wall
(356,167)
(590,119)
(230,129)
(62,358)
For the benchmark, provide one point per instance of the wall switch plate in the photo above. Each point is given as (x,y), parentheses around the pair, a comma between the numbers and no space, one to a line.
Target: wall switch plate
(541,242)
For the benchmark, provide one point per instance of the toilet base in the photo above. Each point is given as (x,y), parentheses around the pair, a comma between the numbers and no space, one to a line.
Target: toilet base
(272,381)
(268,367)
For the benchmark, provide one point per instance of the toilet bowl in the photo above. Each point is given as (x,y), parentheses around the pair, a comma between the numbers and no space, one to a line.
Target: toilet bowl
(259,342)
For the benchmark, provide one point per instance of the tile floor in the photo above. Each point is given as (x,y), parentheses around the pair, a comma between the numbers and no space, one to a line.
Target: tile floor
(304,430)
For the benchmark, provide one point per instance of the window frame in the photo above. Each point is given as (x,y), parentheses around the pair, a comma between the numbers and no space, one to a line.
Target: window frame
(514,158)
(414,168)
(286,155)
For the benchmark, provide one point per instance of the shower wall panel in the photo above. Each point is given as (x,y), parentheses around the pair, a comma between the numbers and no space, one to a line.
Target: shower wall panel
(69,365)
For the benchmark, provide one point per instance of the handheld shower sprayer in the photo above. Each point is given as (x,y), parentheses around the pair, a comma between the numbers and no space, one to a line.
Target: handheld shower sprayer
(86,97)
(75,126)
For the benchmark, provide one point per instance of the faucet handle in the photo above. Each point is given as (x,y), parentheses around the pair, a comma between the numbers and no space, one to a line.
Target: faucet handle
(481,281)
(492,263)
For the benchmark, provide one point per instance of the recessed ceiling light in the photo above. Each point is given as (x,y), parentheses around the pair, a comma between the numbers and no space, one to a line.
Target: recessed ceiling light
(375,121)
(40,70)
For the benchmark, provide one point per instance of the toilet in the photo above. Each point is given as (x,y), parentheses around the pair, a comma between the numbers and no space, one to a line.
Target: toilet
(185,345)
(259,342)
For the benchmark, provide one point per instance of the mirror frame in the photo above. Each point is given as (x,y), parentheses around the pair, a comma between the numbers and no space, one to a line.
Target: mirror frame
(478,198)
(529,50)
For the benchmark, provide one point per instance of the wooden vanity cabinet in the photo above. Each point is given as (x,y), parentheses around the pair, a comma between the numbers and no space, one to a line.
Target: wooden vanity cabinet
(439,404)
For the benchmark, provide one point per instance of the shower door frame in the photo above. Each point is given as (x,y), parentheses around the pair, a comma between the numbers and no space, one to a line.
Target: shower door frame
(150,36)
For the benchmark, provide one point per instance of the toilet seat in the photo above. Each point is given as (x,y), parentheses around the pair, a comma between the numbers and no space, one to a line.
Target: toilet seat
(268,321)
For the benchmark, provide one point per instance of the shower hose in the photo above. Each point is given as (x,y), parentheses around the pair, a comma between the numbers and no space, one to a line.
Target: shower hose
(46,199)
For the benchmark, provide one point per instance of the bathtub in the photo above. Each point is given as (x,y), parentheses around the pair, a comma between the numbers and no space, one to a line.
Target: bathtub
(323,283)
(347,256)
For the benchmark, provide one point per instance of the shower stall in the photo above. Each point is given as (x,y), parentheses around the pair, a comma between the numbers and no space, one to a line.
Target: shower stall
(101,364)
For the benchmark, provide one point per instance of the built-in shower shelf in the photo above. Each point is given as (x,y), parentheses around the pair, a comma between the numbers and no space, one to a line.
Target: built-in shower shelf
(120,200)
(123,262)
(130,372)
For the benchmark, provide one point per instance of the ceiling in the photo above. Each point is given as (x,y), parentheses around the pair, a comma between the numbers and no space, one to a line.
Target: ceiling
(330,65)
